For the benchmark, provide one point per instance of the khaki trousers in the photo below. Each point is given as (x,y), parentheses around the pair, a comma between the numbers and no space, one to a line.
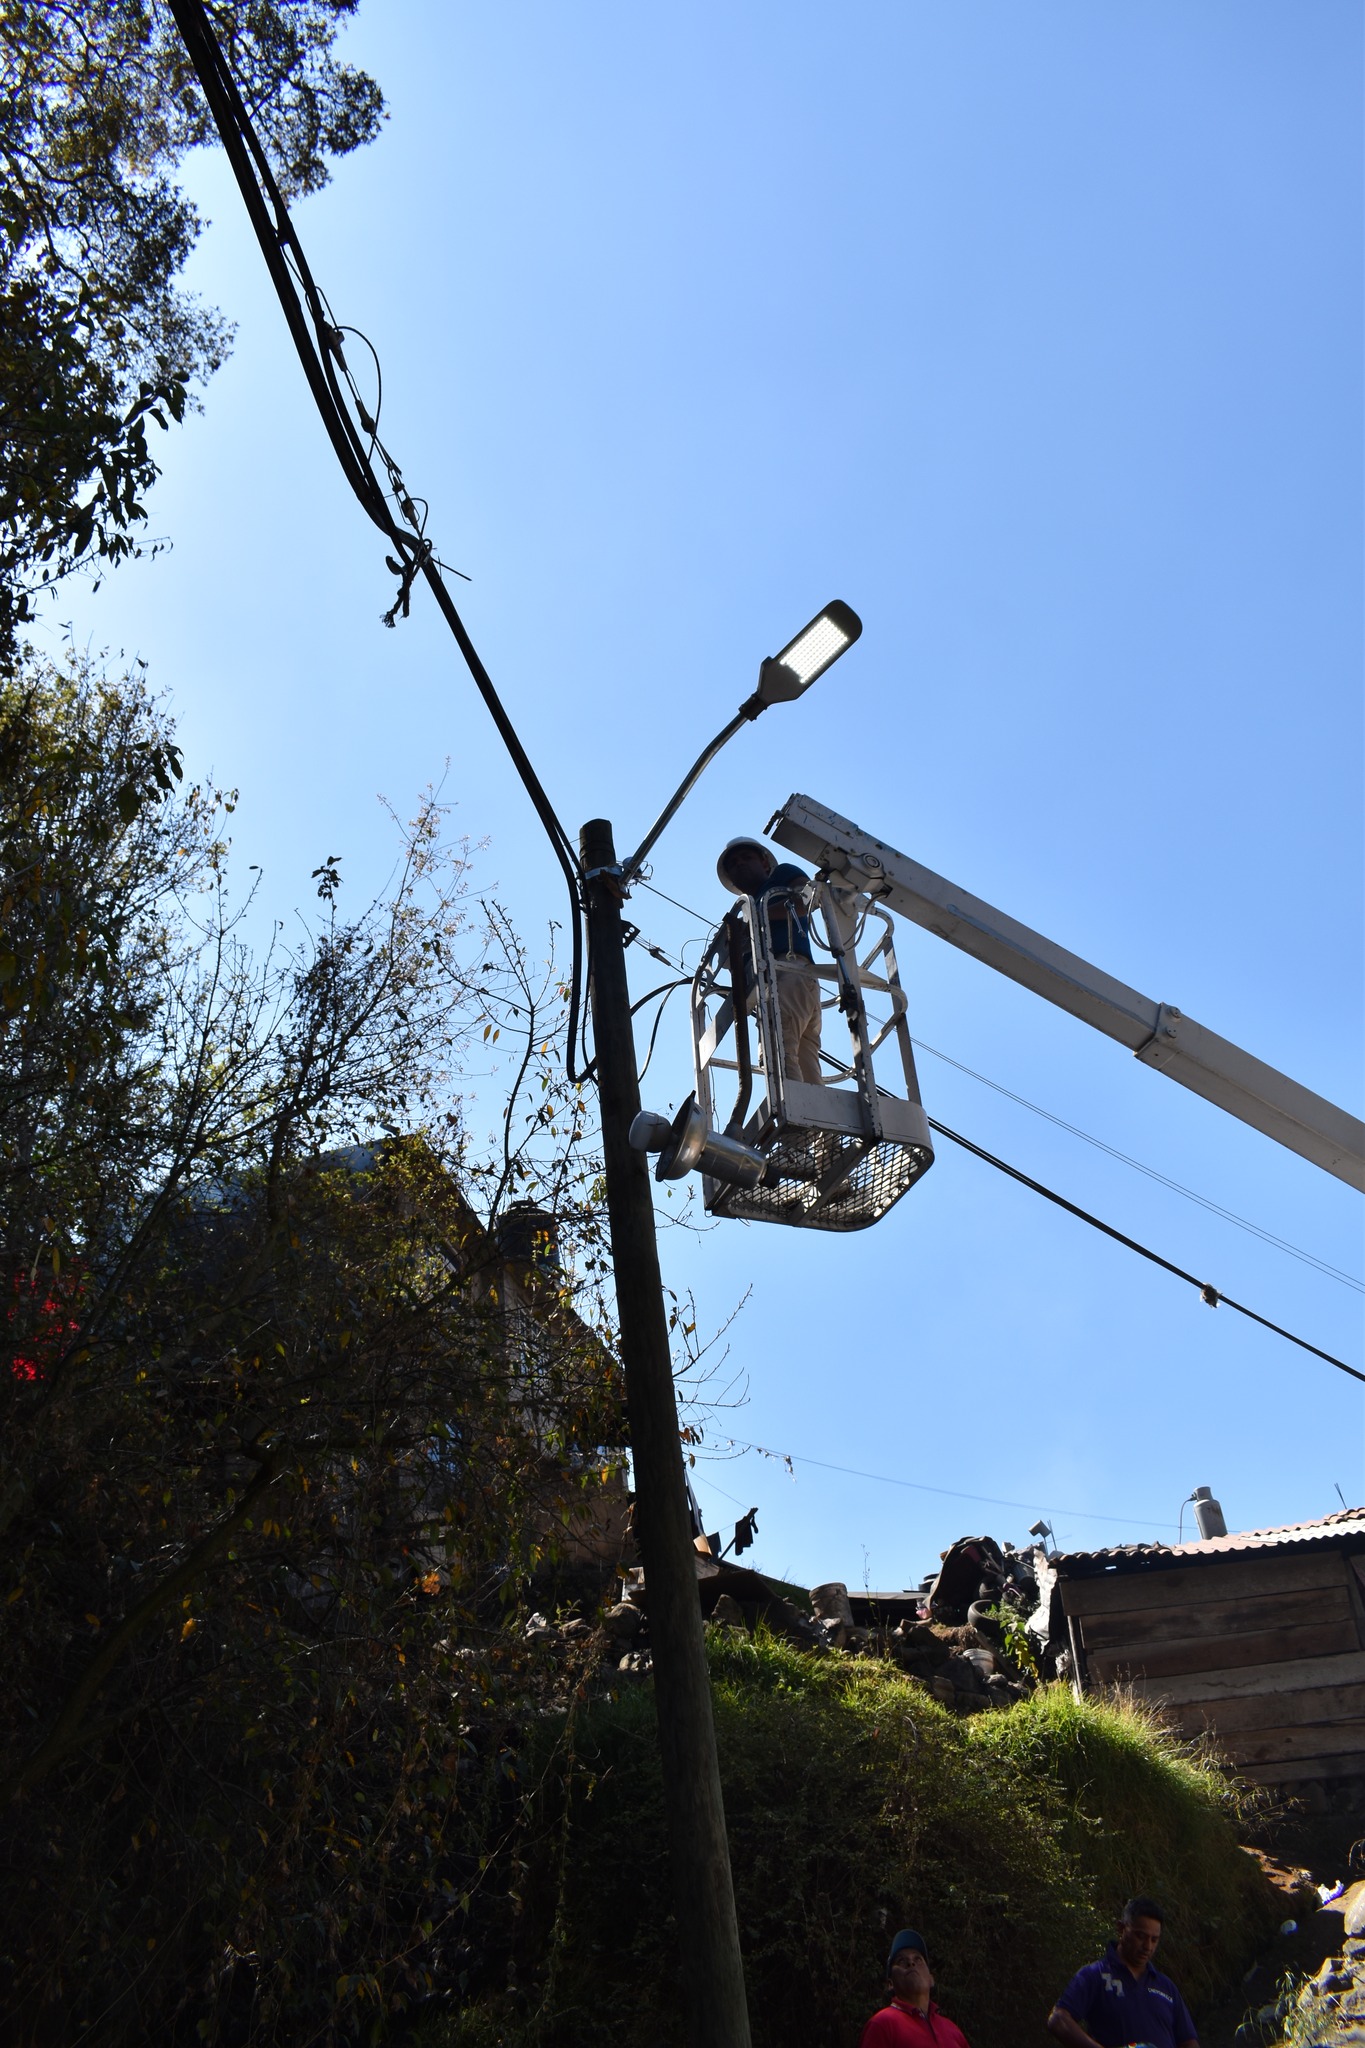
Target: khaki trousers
(798,1003)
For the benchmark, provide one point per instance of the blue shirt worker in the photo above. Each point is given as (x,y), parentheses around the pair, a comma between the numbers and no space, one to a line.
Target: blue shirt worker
(1122,2001)
(748,868)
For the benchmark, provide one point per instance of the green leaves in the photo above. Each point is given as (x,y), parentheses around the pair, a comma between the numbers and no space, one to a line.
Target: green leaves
(96,338)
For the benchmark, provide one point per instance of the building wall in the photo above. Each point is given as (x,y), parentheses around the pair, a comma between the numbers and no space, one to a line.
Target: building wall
(1266,1649)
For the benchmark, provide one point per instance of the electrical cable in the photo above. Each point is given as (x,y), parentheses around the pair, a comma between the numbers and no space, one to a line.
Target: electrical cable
(1028,1507)
(1216,1208)
(665,989)
(709,922)
(321,356)
(1322,1266)
(649,1050)
(635,937)
(1208,1293)
(703,1479)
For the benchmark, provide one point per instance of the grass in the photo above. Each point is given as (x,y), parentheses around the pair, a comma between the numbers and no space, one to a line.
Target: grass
(855,1805)
(1144,1810)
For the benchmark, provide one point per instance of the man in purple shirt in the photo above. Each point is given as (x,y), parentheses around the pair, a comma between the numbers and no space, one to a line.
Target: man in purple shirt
(1122,2001)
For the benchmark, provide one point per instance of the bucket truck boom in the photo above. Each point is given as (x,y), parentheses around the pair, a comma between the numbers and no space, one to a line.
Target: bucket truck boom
(1159,1034)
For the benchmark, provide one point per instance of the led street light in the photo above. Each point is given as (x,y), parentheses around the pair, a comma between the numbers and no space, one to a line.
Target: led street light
(782,678)
(815,648)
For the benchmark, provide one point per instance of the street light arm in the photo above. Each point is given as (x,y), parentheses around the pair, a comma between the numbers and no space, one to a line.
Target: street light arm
(749,709)
(782,678)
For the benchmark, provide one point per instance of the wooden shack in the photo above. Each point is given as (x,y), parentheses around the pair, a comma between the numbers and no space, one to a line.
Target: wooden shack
(1258,1636)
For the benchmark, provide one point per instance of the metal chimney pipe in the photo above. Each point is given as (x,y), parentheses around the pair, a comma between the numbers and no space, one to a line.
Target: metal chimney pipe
(1207,1514)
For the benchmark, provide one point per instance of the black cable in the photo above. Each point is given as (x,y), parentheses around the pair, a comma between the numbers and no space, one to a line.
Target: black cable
(320,354)
(1164,1180)
(1228,1215)
(1207,1293)
(1028,1507)
(658,1020)
(665,989)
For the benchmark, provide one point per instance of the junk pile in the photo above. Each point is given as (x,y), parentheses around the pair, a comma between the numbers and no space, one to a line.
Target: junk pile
(1329,2006)
(975,1634)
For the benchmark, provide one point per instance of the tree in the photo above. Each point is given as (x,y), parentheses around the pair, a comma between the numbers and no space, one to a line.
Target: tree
(97,339)
(274,1462)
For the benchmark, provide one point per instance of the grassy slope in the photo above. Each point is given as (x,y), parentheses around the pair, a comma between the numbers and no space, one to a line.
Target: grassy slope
(856,1804)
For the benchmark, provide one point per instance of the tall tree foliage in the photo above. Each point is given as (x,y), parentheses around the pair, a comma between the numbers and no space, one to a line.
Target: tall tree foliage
(98,341)
(274,1458)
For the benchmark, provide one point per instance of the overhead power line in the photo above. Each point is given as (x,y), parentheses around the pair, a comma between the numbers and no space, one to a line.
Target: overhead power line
(354,434)
(1269,1237)
(1208,1293)
(371,471)
(989,1500)
(1216,1208)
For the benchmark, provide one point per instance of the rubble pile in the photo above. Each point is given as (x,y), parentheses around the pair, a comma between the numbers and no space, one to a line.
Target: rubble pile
(1329,2007)
(948,1635)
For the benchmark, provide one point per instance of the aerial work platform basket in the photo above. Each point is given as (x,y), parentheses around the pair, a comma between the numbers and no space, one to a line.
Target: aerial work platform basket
(836,1153)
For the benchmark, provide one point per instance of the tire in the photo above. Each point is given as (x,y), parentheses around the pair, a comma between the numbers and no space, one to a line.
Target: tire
(984,1622)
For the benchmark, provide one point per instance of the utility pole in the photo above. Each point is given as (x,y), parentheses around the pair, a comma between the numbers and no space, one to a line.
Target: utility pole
(708,1937)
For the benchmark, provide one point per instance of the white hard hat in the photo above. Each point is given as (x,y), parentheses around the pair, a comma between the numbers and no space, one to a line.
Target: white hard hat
(733,846)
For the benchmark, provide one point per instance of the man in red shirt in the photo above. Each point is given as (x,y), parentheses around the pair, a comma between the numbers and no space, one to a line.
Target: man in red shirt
(911,2020)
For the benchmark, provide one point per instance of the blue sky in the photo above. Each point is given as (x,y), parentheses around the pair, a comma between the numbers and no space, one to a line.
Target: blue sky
(1035,334)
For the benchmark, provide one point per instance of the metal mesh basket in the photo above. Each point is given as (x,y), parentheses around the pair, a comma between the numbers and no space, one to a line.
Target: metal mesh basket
(797,1189)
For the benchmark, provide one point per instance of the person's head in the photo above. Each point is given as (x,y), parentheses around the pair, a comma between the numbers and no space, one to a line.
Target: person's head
(1139,1933)
(907,1970)
(745,865)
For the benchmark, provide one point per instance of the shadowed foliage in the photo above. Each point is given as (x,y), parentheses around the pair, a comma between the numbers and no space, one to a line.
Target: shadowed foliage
(855,1805)
(283,1432)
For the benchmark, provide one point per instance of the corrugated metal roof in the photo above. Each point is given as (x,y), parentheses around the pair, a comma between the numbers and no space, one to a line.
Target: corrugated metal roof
(1328,1532)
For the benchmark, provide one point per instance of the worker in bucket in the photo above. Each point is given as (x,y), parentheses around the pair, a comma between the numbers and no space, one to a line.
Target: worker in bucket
(748,868)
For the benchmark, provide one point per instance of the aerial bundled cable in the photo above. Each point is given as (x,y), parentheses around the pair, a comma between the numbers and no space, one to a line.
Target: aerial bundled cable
(353,433)
(1207,1293)
(1210,1295)
(1215,1208)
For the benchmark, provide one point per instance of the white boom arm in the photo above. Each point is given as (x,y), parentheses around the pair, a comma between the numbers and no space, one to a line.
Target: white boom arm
(1158,1033)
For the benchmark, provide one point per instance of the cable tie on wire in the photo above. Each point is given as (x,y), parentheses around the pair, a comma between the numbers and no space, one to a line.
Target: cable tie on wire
(408,573)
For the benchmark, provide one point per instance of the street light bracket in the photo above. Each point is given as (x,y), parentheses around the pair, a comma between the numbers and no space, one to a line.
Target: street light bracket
(782,678)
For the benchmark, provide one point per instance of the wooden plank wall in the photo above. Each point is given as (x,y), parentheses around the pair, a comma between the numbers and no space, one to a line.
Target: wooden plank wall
(1268,1651)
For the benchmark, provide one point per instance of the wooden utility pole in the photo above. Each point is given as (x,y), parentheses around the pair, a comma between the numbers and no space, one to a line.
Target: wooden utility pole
(708,1937)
